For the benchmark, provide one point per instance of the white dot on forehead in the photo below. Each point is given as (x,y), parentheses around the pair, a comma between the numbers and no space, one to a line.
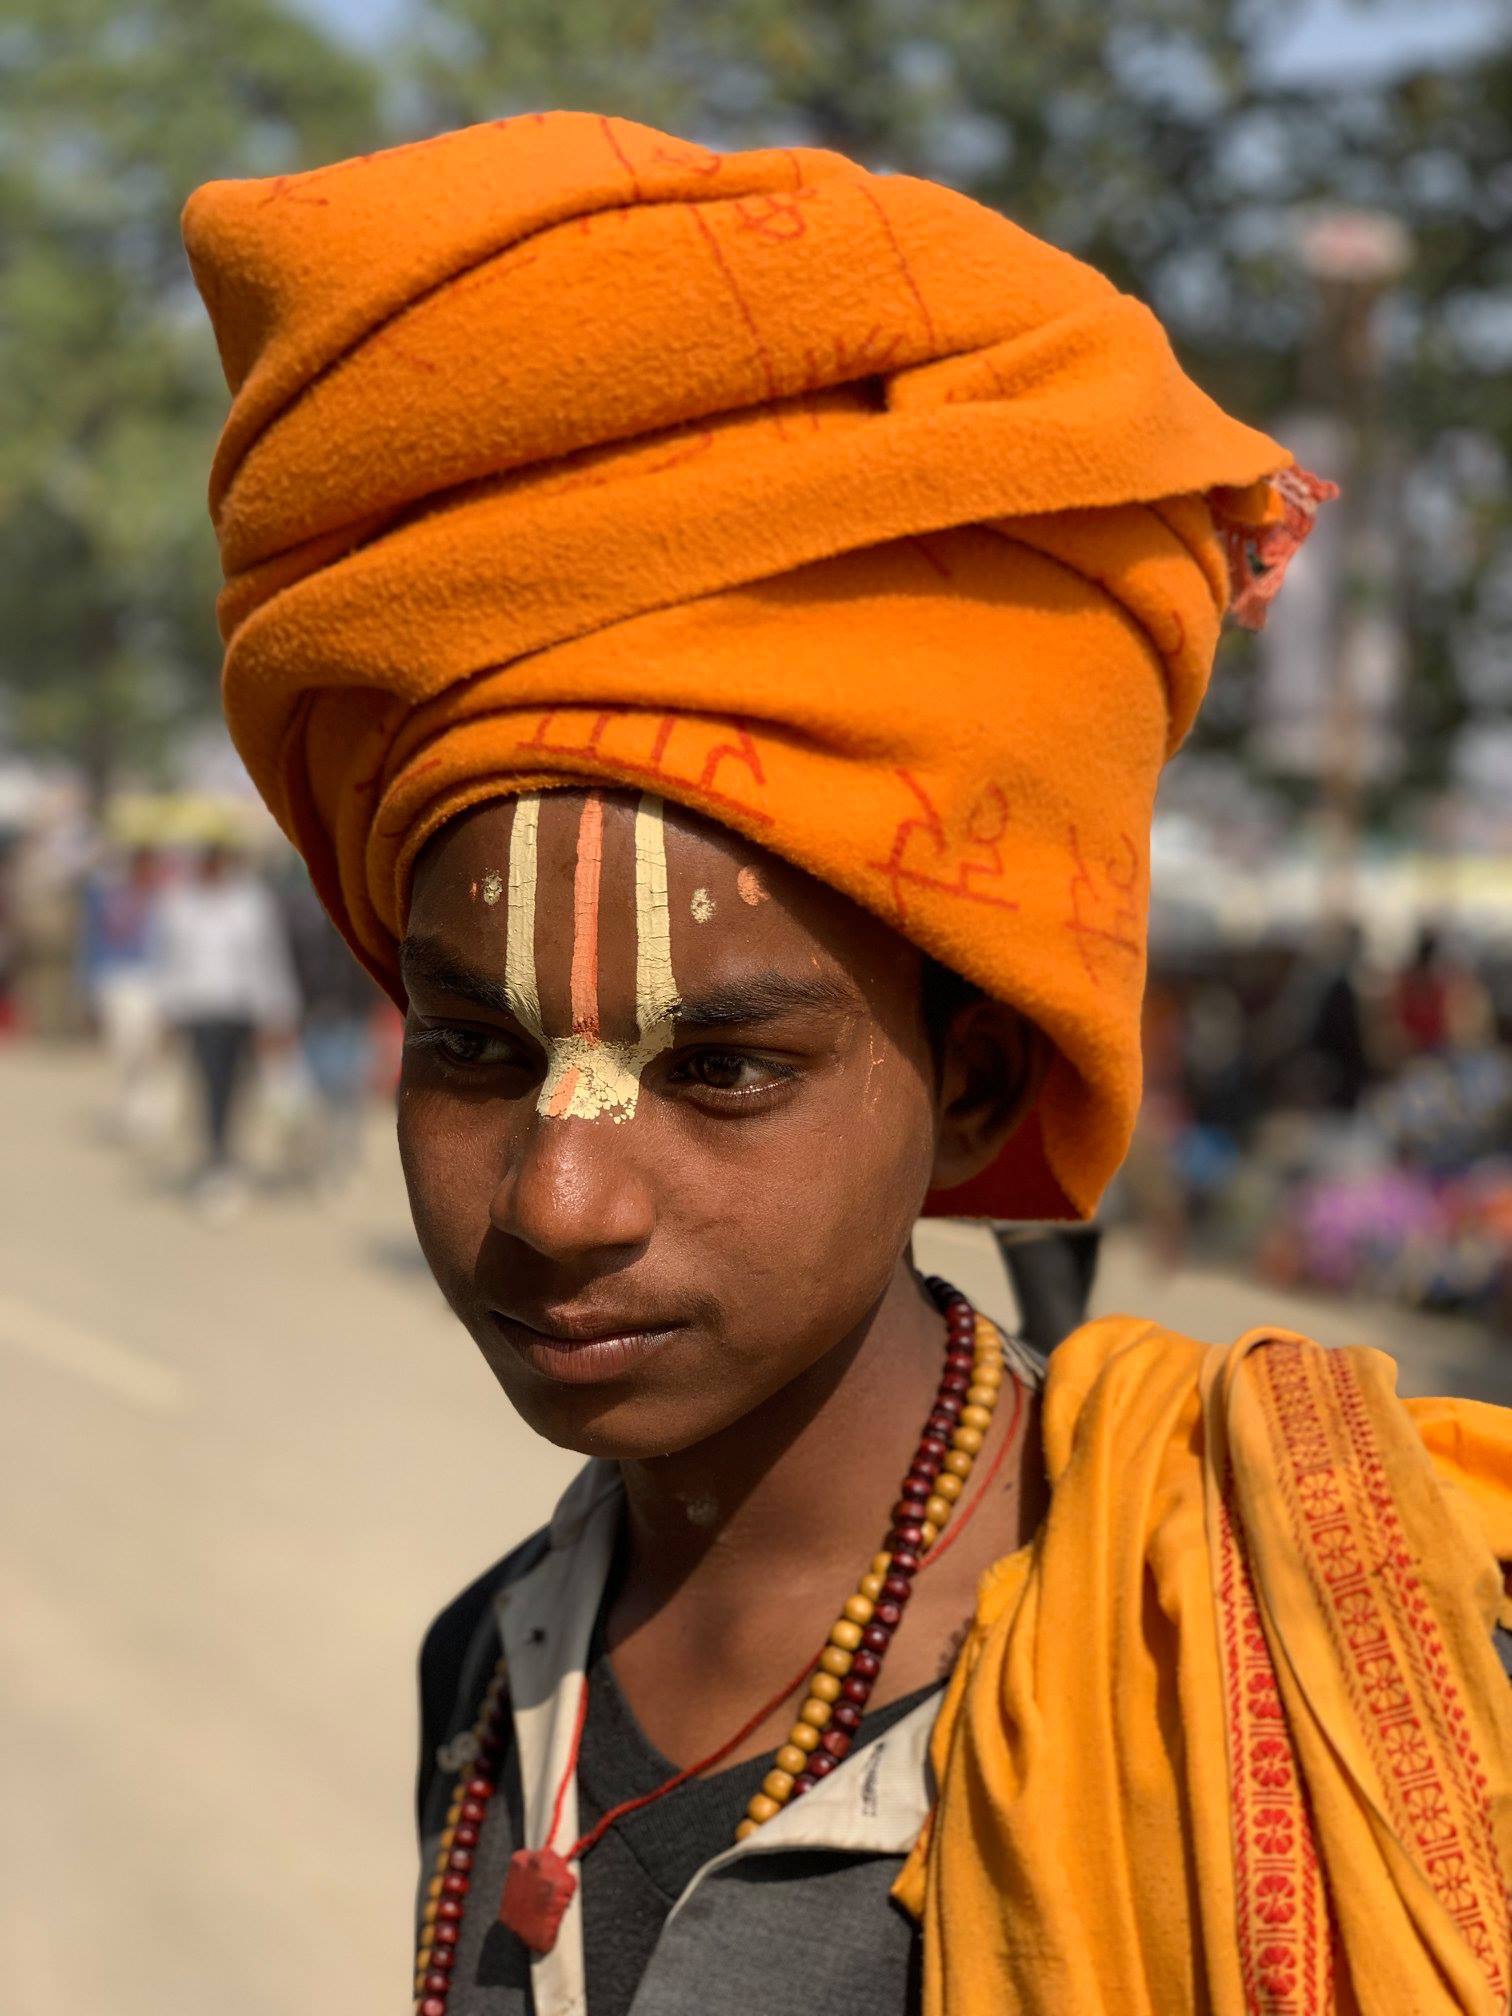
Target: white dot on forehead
(493,886)
(702,906)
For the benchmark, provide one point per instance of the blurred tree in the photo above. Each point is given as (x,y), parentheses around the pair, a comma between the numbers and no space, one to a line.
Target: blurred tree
(110,396)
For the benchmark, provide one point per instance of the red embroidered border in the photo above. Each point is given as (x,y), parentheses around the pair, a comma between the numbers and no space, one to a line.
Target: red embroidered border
(1284,1968)
(1391,1654)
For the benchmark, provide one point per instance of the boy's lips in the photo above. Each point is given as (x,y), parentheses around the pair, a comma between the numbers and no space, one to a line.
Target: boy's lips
(582,1350)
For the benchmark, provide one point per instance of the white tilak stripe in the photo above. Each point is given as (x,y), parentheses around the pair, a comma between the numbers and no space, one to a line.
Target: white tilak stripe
(519,947)
(655,989)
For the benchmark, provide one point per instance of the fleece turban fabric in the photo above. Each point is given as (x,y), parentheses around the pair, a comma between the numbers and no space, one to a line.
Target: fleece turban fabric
(830,505)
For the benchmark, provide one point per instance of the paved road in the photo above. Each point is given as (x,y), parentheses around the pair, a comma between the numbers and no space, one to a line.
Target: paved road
(238,1470)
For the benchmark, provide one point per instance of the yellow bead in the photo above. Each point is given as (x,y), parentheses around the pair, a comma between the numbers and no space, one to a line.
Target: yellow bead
(745,1830)
(967,1438)
(433,1888)
(762,1809)
(957,1461)
(845,1634)
(979,1418)
(982,1396)
(454,1813)
(804,1736)
(778,1785)
(422,1959)
(815,1713)
(791,1759)
(858,1609)
(881,1564)
(871,1586)
(948,1485)
(937,1510)
(987,1372)
(428,1916)
(824,1687)
(930,1531)
(837,1661)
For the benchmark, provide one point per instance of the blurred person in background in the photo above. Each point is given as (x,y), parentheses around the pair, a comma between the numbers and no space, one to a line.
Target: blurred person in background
(116,964)
(761,856)
(225,982)
(338,1003)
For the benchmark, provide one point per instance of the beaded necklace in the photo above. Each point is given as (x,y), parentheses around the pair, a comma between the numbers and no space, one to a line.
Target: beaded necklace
(540,1883)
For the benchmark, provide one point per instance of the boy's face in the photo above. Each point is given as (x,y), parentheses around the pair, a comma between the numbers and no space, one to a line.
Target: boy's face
(668,1112)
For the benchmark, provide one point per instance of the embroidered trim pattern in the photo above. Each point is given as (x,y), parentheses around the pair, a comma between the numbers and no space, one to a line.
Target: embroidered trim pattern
(1391,1652)
(1285,1951)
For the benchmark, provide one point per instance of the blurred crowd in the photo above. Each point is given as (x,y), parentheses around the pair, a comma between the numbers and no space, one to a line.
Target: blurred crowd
(1333,1118)
(223,999)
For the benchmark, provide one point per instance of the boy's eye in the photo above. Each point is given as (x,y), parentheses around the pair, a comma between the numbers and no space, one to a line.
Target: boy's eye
(729,1071)
(464,1047)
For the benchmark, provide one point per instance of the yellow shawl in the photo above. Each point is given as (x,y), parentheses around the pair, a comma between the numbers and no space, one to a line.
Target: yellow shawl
(1231,1734)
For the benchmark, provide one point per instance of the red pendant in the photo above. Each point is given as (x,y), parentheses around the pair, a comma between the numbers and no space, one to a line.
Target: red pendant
(537,1890)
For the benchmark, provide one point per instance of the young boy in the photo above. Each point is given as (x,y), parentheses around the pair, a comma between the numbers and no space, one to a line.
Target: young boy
(712,625)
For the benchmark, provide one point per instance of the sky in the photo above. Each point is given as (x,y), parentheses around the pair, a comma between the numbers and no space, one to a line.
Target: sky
(1322,42)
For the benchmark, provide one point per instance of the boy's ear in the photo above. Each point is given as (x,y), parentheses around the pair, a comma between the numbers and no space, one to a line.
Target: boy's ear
(991,1066)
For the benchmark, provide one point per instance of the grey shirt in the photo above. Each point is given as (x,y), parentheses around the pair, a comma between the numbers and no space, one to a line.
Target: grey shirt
(796,1919)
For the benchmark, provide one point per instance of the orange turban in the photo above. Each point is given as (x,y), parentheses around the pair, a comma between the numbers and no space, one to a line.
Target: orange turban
(828,504)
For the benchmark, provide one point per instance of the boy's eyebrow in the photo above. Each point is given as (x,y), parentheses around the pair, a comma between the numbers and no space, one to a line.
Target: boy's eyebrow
(730,1004)
(428,960)
(763,997)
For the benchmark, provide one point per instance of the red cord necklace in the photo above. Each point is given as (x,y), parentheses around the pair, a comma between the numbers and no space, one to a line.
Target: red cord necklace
(540,1883)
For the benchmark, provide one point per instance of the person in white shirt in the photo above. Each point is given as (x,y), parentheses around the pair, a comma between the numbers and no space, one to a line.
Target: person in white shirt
(224,979)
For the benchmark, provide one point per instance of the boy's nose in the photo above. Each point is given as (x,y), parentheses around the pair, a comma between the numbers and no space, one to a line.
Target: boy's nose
(578,1188)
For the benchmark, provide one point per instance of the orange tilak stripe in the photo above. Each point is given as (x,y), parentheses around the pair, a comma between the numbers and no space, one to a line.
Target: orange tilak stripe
(585,906)
(561,1099)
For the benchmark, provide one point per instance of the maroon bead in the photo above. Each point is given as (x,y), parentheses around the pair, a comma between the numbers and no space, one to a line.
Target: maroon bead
(917,1488)
(804,1782)
(847,1716)
(459,1858)
(480,1788)
(960,1332)
(950,1405)
(449,1908)
(888,1615)
(905,1560)
(835,1743)
(875,1637)
(819,1765)
(454,1885)
(443,1959)
(473,1811)
(935,1447)
(865,1666)
(436,1984)
(895,1587)
(954,1383)
(855,1688)
(905,1539)
(433,2005)
(465,1835)
(445,1934)
(908,1512)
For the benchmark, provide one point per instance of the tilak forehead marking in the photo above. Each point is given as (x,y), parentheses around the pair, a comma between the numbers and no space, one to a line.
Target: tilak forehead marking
(588,1078)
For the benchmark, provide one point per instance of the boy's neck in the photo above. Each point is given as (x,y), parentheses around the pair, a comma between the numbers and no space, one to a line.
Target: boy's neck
(800,1488)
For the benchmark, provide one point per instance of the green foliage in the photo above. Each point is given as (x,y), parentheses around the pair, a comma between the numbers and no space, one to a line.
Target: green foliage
(110,397)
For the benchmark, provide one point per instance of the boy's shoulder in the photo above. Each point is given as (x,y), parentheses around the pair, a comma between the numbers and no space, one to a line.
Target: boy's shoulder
(454,1630)
(457,1654)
